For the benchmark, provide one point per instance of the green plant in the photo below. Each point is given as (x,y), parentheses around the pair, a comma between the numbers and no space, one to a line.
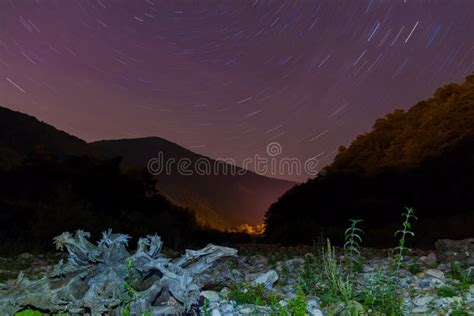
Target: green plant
(274,302)
(446,291)
(459,310)
(414,268)
(130,281)
(284,272)
(205,308)
(310,279)
(298,304)
(462,275)
(29,312)
(382,295)
(248,294)
(353,239)
(402,249)
(339,286)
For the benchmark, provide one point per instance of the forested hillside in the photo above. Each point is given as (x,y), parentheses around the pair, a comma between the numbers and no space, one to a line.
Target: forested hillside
(422,158)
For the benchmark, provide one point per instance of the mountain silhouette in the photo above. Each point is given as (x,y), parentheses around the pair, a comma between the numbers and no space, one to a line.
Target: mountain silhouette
(219,200)
(222,199)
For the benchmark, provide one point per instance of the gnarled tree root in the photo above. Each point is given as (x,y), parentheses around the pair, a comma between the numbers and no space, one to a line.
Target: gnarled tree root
(106,278)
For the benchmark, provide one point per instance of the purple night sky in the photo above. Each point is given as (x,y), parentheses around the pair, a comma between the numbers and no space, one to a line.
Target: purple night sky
(225,78)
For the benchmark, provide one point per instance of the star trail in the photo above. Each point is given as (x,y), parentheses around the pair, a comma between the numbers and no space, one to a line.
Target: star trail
(225,78)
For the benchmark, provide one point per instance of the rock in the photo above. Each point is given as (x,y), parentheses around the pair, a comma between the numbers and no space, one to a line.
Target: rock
(436,283)
(25,256)
(441,302)
(425,283)
(227,308)
(283,303)
(267,278)
(448,250)
(420,310)
(454,300)
(423,300)
(314,312)
(430,259)
(420,275)
(224,293)
(216,312)
(246,310)
(312,307)
(435,273)
(309,256)
(346,309)
(212,296)
(295,261)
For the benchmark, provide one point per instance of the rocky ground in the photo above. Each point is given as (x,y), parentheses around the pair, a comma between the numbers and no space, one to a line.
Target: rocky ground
(269,280)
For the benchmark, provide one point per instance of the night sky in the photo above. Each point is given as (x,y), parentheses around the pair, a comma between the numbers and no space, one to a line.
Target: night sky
(226,78)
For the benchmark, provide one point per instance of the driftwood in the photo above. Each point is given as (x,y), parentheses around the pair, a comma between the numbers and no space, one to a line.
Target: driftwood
(107,279)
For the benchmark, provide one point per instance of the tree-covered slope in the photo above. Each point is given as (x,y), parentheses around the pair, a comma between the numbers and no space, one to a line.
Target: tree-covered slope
(21,133)
(422,158)
(405,139)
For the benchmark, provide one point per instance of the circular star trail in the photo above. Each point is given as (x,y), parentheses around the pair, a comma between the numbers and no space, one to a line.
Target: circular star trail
(226,78)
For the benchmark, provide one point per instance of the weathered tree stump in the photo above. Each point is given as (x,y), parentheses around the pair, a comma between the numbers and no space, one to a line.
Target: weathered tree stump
(107,279)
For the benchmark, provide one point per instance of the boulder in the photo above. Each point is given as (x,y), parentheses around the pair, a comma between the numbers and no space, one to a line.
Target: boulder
(429,260)
(267,279)
(435,273)
(212,296)
(448,250)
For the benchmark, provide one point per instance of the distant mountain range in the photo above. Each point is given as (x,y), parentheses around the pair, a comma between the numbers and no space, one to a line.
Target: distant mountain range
(421,158)
(219,200)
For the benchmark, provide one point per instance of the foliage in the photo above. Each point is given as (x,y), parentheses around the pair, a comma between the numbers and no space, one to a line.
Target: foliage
(29,312)
(382,295)
(384,291)
(298,303)
(327,278)
(352,243)
(407,138)
(402,249)
(338,285)
(42,198)
(130,282)
(414,268)
(205,308)
(464,277)
(459,310)
(248,294)
(446,291)
(256,294)
(310,279)
(380,172)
